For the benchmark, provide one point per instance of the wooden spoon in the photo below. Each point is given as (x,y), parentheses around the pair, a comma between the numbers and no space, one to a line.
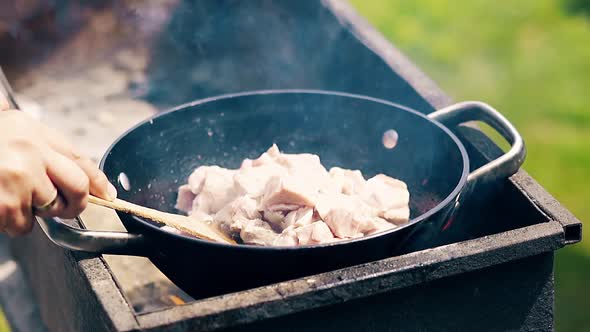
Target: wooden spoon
(179,222)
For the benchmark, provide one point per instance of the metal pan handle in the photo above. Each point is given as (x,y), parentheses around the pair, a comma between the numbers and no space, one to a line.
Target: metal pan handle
(103,242)
(72,238)
(505,165)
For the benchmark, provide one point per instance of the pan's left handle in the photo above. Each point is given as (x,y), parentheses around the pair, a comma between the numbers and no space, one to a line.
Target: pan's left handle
(505,165)
(101,242)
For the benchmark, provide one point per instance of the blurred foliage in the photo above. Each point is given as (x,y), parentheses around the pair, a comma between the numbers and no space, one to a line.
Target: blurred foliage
(4,327)
(578,7)
(531,60)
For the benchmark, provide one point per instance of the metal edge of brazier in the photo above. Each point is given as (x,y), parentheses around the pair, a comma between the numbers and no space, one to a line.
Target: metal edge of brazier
(354,283)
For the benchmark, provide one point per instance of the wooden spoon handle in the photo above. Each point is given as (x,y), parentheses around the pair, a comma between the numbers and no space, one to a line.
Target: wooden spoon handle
(181,223)
(124,206)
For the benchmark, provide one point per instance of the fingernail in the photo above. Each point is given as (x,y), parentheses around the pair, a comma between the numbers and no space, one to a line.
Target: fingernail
(112,192)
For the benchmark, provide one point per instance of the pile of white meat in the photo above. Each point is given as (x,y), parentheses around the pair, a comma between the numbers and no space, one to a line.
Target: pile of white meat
(291,199)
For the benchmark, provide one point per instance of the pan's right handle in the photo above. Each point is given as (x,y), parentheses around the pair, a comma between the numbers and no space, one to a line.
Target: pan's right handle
(505,165)
(101,242)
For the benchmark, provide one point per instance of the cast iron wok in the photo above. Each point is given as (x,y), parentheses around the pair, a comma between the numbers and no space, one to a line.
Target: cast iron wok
(343,129)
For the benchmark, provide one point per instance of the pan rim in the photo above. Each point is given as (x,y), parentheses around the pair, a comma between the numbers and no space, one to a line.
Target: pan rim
(440,206)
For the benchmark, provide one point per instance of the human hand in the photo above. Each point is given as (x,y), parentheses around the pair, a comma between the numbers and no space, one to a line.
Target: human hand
(42,173)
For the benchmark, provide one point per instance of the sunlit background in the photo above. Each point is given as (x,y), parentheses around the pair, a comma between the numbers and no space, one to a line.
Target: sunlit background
(531,60)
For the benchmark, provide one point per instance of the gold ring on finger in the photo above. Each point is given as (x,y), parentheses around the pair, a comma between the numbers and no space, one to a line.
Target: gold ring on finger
(47,206)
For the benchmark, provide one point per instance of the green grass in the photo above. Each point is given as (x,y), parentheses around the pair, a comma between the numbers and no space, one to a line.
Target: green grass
(3,323)
(531,60)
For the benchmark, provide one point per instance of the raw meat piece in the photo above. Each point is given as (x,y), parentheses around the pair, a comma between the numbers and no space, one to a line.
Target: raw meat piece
(241,208)
(252,180)
(255,231)
(213,187)
(268,157)
(274,217)
(309,171)
(246,163)
(282,219)
(287,190)
(390,197)
(197,177)
(348,182)
(315,233)
(306,167)
(375,225)
(185,199)
(287,238)
(285,208)
(398,216)
(387,192)
(201,216)
(291,199)
(302,163)
(347,216)
(300,217)
(276,214)
(253,234)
